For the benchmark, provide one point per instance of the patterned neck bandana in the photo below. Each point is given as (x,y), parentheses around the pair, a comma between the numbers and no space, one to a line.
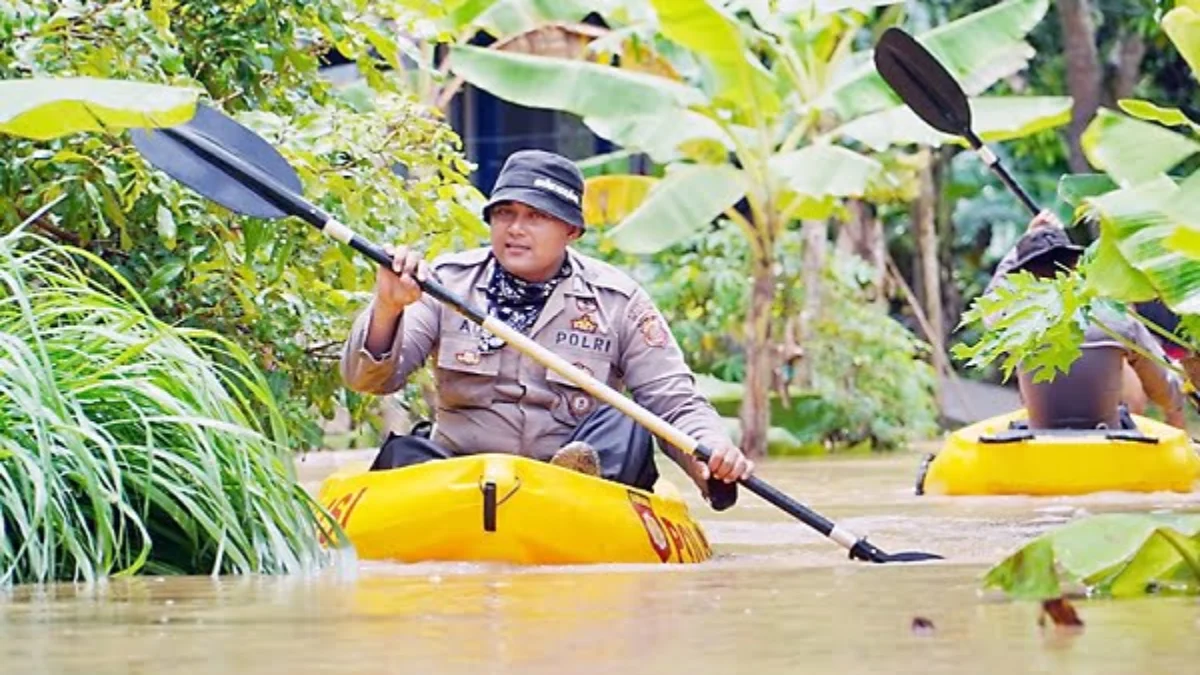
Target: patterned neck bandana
(517,302)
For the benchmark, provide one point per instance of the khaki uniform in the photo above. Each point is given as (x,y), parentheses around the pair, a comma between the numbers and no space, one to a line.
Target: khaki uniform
(503,401)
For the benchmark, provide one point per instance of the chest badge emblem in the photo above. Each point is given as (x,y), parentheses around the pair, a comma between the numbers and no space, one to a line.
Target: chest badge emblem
(584,324)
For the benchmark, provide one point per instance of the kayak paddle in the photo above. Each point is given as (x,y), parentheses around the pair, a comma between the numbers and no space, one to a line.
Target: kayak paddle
(231,165)
(931,92)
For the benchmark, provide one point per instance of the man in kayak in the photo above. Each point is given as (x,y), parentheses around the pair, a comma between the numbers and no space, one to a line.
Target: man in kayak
(493,398)
(1043,251)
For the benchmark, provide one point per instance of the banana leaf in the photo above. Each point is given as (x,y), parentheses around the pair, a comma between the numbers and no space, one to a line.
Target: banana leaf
(48,108)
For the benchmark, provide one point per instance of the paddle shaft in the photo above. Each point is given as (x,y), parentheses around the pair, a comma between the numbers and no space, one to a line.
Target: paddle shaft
(993,162)
(270,189)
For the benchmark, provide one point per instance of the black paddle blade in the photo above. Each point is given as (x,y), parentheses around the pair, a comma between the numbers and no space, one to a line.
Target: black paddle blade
(923,83)
(180,161)
(863,550)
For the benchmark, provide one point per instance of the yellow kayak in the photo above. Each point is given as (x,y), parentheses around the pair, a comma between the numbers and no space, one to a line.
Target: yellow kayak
(989,457)
(507,508)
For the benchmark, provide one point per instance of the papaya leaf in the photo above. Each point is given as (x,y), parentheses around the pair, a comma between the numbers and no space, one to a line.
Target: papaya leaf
(1037,324)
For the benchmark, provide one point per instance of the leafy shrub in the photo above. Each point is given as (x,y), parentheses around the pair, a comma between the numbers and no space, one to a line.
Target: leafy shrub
(130,445)
(375,158)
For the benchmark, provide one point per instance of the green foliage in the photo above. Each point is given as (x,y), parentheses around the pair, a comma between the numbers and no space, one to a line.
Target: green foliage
(126,445)
(278,289)
(1111,555)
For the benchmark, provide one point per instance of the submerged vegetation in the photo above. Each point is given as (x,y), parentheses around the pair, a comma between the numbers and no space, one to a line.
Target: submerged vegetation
(128,445)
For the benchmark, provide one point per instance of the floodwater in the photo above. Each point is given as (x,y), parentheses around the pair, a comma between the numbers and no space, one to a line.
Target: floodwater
(777,599)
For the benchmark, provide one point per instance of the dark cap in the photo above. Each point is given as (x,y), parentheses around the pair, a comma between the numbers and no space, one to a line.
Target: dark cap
(544,180)
(1046,244)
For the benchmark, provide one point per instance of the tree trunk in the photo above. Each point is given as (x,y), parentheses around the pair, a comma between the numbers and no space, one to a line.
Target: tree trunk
(1129,52)
(814,234)
(1084,73)
(862,235)
(928,267)
(756,404)
(952,302)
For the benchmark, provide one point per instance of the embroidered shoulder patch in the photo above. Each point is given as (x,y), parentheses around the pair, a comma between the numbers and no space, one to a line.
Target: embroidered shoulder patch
(653,329)
(649,322)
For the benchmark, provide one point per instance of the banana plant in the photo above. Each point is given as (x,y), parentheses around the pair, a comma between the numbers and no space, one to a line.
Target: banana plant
(749,134)
(1149,243)
(546,27)
(47,108)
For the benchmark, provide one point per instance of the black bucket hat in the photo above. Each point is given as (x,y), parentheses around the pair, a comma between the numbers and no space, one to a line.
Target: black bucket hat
(544,180)
(1045,244)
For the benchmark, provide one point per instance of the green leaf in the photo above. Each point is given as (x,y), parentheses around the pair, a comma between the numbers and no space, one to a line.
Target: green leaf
(1074,188)
(1132,151)
(510,17)
(1145,110)
(46,108)
(165,224)
(1115,555)
(386,46)
(160,15)
(1184,211)
(686,200)
(610,199)
(1110,275)
(466,13)
(1185,241)
(164,276)
(1182,25)
(994,119)
(665,136)
(977,50)
(1028,574)
(586,89)
(1137,220)
(255,231)
(821,170)
(1167,555)
(717,36)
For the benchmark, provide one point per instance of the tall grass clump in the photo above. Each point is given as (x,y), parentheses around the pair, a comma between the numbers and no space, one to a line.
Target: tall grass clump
(128,445)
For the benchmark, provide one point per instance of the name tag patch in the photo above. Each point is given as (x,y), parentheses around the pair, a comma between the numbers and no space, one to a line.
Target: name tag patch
(583,341)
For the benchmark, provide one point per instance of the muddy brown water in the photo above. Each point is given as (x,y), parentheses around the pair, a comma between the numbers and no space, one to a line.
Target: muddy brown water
(777,599)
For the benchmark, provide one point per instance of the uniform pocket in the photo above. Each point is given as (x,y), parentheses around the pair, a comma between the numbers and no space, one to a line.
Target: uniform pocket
(466,377)
(574,402)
